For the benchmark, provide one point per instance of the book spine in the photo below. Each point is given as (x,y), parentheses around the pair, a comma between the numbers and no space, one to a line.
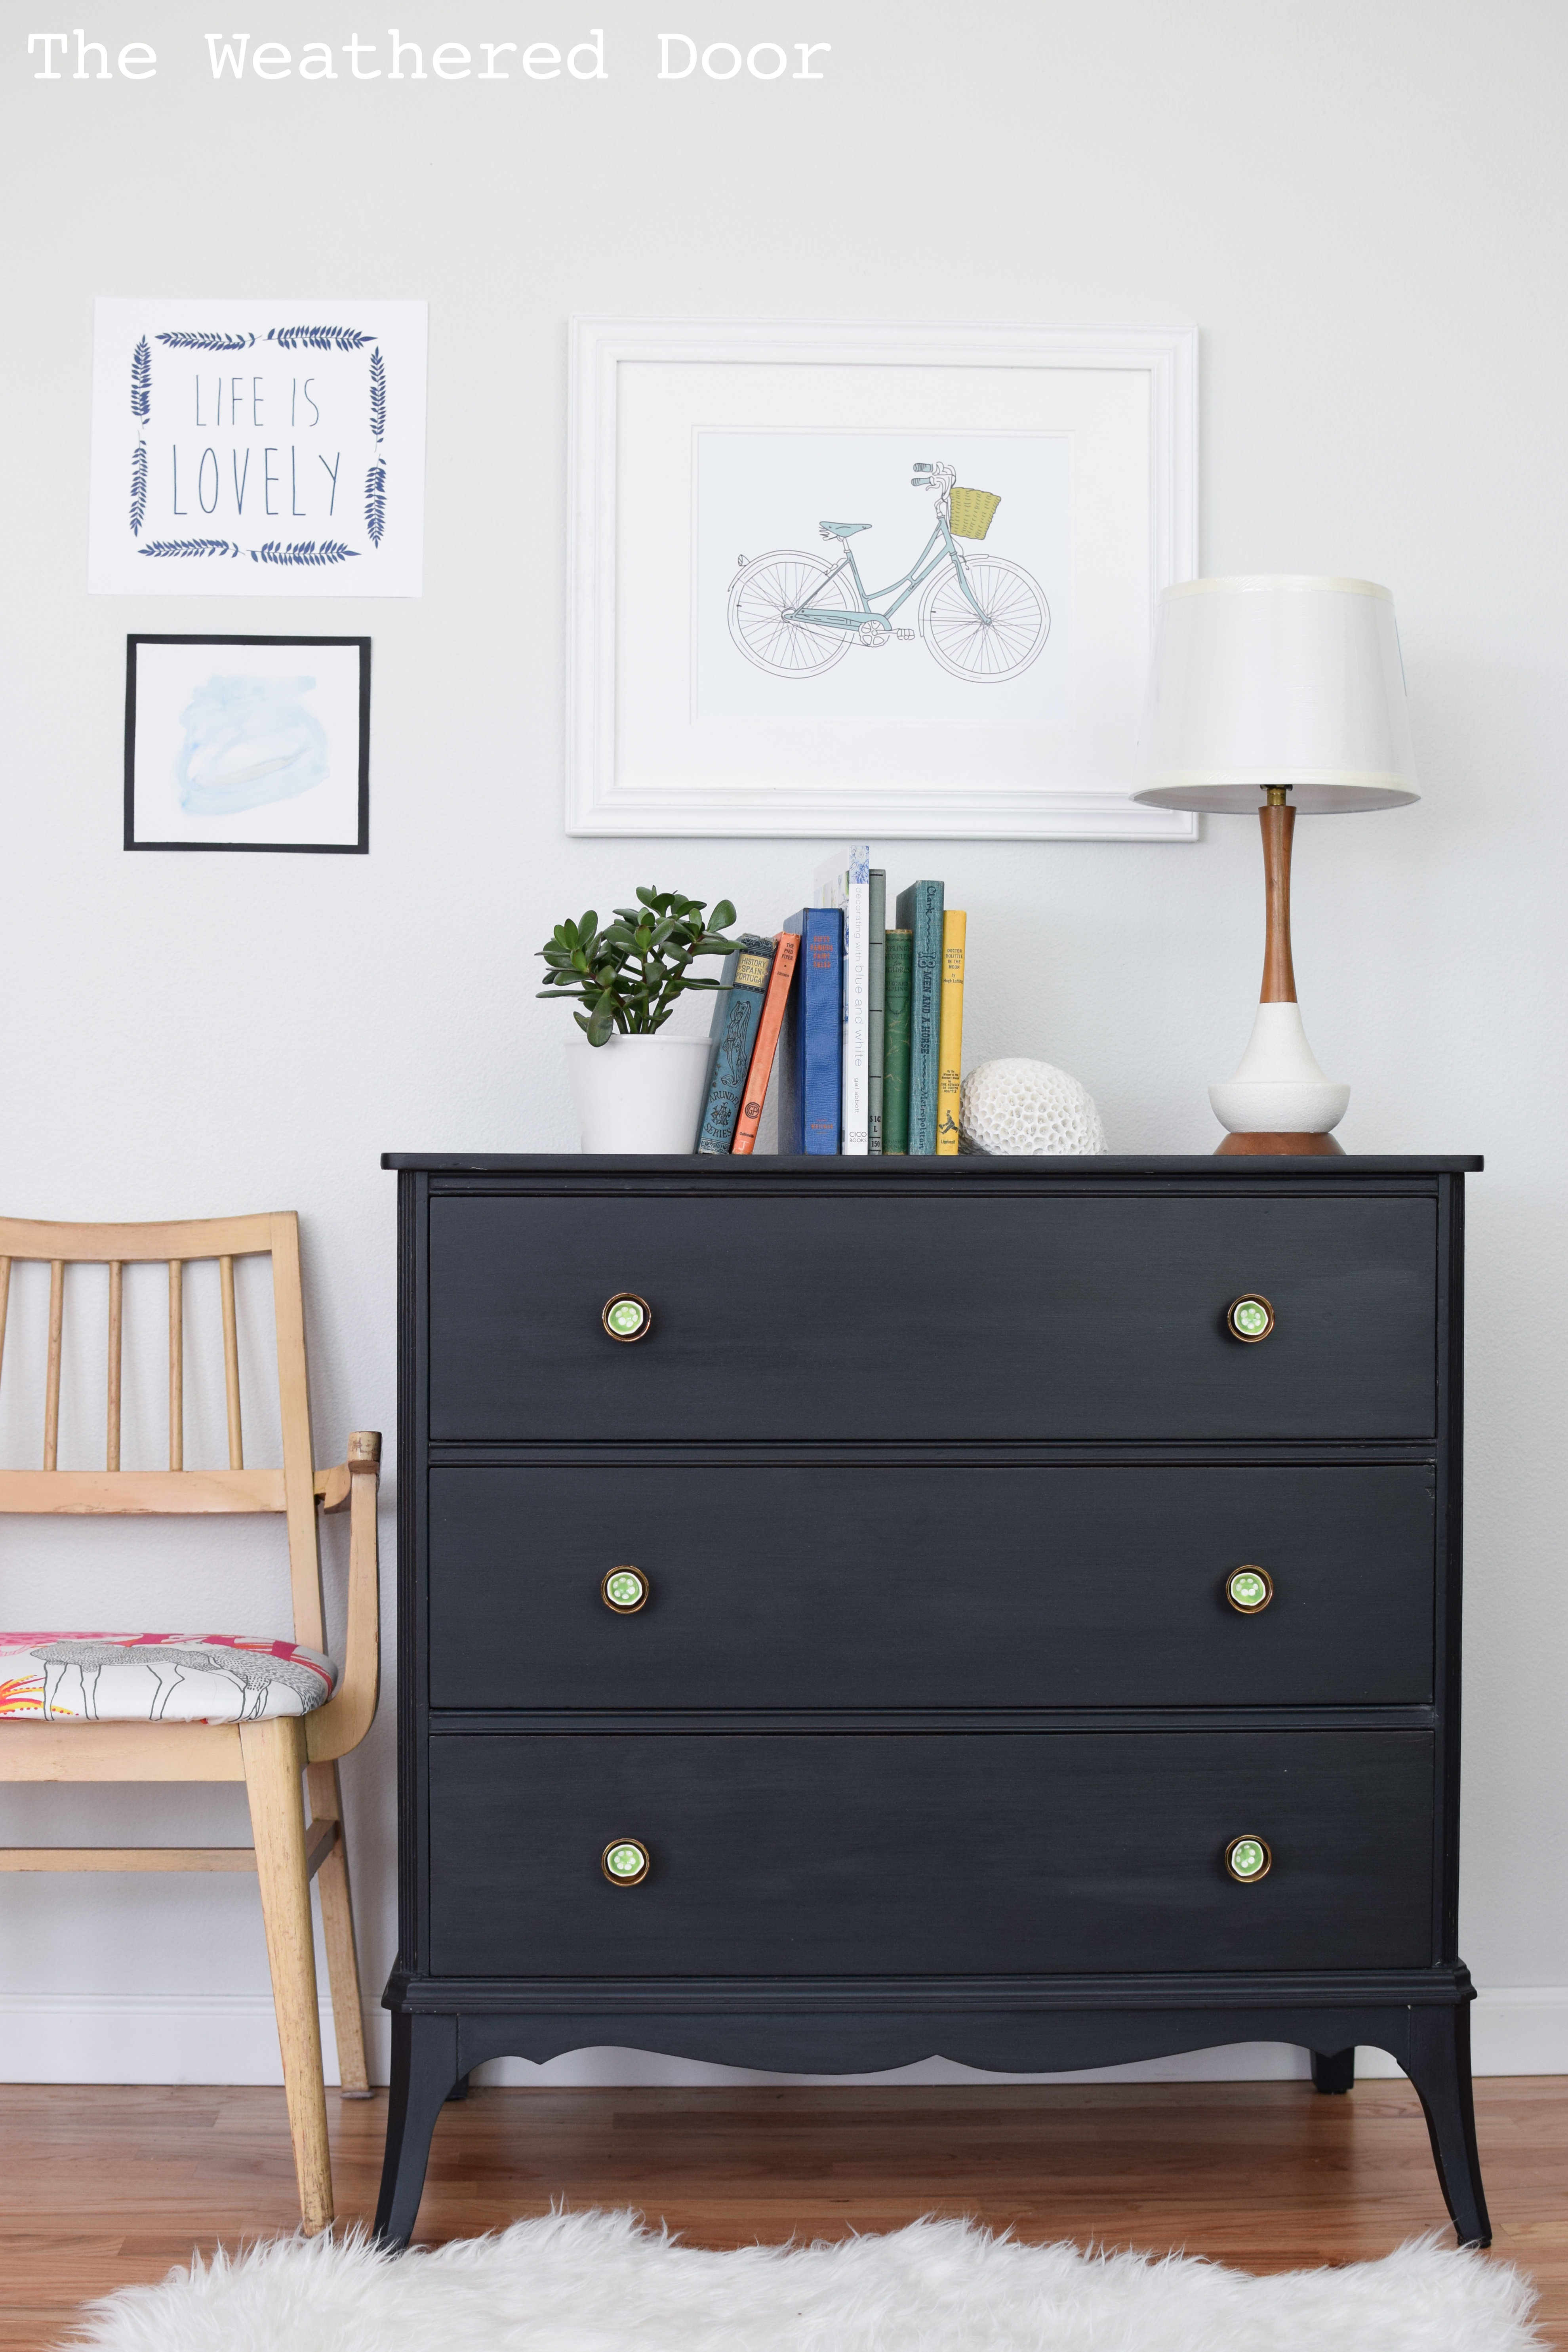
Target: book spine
(812,1062)
(823,998)
(770,1021)
(896,1050)
(736,1025)
(920,910)
(950,1045)
(857,1025)
(716,1032)
(846,882)
(875,1006)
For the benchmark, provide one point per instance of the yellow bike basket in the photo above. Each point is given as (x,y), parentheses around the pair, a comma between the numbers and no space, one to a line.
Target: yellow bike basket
(970,512)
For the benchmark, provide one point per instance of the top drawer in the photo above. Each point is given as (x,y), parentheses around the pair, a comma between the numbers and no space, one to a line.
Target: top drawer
(974,1319)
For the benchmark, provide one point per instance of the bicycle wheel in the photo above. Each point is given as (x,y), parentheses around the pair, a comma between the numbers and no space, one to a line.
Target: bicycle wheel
(999,640)
(765,595)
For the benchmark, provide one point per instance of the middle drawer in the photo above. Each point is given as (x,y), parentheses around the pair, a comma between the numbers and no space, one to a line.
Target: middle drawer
(892,1587)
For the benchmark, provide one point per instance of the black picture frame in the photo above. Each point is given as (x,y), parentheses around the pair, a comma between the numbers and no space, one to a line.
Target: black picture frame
(359,847)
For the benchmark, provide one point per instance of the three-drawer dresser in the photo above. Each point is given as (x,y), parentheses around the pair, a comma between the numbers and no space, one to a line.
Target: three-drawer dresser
(858,1611)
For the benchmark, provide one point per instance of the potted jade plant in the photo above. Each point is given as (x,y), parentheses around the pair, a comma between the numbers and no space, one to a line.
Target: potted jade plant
(636,1088)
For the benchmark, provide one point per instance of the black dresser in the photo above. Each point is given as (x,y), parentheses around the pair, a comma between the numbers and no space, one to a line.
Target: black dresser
(855,1611)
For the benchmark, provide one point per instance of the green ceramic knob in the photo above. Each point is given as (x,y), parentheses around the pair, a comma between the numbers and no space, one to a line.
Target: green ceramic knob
(1250,1317)
(1247,1859)
(1248,1590)
(627,1317)
(624,1589)
(624,1862)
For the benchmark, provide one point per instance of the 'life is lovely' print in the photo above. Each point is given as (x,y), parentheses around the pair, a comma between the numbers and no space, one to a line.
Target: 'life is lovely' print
(246,448)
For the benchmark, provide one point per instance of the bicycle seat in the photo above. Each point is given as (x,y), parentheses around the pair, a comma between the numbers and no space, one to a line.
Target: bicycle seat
(841,529)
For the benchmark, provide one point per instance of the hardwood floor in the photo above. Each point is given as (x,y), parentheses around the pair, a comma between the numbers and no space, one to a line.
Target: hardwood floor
(100,2188)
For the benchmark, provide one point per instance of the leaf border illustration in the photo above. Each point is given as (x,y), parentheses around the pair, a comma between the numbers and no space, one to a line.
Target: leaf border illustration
(321,339)
(303,551)
(185,339)
(291,554)
(375,500)
(191,547)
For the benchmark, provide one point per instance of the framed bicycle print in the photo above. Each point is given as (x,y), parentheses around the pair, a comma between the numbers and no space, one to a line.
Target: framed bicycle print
(896,580)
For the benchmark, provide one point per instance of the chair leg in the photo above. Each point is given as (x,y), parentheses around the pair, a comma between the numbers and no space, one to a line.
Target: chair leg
(338,1934)
(274,1754)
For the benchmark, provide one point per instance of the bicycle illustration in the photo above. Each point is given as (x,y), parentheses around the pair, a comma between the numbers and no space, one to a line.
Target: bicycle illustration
(983,617)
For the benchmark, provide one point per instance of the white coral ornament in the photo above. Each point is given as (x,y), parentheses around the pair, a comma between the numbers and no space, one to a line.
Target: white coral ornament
(1015,1105)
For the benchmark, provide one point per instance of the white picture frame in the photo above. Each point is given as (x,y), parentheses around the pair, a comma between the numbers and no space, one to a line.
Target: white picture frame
(692,441)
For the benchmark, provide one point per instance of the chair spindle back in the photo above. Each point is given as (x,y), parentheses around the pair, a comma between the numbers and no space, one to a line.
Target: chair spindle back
(289,1489)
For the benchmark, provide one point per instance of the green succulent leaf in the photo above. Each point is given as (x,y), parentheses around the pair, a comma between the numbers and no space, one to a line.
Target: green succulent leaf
(600,1023)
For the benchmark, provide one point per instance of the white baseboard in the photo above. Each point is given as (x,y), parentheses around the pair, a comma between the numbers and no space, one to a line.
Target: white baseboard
(231,2037)
(146,2038)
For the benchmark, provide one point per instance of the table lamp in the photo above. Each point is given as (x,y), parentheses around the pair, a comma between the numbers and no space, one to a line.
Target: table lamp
(1278,693)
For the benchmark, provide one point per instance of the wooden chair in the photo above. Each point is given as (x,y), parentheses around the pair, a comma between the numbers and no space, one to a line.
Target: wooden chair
(271,1755)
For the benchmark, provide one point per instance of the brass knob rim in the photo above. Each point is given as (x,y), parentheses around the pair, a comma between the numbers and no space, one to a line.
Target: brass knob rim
(625,1862)
(1249,1318)
(625,1317)
(624,1590)
(1249,1589)
(1249,1859)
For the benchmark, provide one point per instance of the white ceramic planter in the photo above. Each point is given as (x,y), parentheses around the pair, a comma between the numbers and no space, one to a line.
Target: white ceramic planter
(639,1094)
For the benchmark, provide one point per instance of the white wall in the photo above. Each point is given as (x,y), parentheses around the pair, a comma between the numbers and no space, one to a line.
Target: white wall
(1363,207)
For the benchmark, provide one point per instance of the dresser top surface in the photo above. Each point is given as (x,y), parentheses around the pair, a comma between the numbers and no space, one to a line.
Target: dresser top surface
(704,1168)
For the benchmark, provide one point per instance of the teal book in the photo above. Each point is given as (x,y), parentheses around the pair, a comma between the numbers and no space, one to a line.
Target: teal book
(876,1005)
(896,1047)
(735,1013)
(920,911)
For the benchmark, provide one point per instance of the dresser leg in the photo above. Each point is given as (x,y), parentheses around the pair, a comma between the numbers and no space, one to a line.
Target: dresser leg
(424,2071)
(460,2090)
(1439,2066)
(1333,2070)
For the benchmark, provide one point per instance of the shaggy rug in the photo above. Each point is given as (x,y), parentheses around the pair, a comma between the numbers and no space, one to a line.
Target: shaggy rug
(601,2283)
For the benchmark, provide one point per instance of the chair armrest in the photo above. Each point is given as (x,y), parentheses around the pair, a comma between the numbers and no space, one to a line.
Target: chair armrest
(331,1730)
(333,1487)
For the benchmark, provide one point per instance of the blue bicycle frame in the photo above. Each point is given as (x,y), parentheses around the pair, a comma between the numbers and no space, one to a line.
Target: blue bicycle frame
(831,616)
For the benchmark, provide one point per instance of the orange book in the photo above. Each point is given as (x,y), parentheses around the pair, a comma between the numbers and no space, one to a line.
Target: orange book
(787,948)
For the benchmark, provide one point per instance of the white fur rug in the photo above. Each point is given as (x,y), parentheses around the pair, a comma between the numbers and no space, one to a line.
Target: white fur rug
(600,2282)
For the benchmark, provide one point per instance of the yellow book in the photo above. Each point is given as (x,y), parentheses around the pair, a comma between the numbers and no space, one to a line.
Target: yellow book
(950,1047)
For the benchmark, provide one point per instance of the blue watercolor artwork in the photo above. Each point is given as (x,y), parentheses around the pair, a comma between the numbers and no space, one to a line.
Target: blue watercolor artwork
(248,743)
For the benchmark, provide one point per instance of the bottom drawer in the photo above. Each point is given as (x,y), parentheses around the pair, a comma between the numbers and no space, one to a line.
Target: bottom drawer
(929,1854)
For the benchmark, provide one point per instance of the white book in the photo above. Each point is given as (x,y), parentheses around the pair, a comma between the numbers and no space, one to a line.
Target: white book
(845,882)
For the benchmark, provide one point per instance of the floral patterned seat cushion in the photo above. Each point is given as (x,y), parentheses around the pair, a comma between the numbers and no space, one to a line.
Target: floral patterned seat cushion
(158,1678)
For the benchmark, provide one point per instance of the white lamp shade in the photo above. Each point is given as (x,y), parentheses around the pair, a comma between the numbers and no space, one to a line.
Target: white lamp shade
(1293,681)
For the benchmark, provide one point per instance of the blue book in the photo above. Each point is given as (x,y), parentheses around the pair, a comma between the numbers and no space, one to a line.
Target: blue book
(735,1013)
(920,911)
(811,1057)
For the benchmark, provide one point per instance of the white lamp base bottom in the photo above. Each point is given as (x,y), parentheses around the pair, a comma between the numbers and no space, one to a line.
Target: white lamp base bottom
(1277,1087)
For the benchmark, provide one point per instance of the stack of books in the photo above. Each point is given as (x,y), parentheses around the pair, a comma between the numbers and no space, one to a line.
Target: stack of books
(864,1022)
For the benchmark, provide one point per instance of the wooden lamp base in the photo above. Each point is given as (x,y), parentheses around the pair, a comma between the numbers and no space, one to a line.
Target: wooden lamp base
(1307,1147)
(1278,1072)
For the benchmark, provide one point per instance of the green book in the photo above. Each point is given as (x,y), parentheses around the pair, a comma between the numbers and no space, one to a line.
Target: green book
(920,911)
(876,1007)
(900,949)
